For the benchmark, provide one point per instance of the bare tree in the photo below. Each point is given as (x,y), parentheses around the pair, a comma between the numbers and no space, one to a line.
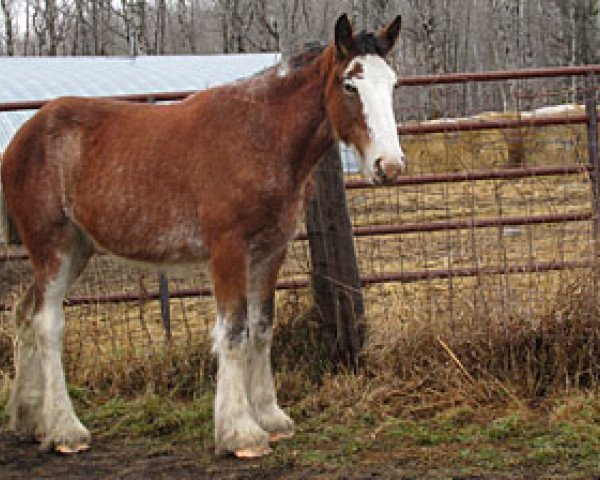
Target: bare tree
(51,26)
(438,35)
(8,26)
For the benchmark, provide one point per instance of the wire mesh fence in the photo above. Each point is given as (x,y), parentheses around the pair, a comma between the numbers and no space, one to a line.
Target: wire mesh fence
(485,236)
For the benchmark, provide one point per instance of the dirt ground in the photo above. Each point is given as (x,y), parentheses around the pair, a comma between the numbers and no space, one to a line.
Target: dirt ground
(125,461)
(122,459)
(118,459)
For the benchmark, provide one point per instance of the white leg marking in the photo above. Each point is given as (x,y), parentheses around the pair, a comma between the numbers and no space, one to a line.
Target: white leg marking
(61,425)
(235,428)
(25,405)
(261,387)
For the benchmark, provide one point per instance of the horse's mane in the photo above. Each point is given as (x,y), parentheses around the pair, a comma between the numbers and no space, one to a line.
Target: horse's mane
(365,43)
(311,51)
(298,60)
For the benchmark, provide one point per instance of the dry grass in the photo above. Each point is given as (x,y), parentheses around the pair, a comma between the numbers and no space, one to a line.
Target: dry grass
(524,349)
(489,149)
(514,334)
(415,364)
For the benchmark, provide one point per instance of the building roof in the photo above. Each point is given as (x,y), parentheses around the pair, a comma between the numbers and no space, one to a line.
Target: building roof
(43,78)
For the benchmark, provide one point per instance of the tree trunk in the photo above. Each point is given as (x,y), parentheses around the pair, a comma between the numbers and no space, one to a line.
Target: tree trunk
(51,21)
(8,29)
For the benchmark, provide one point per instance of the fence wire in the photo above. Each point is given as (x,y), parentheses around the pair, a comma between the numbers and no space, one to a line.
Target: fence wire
(115,344)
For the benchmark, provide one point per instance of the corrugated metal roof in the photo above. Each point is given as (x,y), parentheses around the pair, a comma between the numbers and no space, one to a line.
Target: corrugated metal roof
(41,78)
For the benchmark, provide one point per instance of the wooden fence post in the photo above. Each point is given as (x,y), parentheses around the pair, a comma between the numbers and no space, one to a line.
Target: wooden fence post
(335,276)
(591,107)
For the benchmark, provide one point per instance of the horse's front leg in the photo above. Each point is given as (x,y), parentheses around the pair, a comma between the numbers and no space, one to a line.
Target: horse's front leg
(261,388)
(236,430)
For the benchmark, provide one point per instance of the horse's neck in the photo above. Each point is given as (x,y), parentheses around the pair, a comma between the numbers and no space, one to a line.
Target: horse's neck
(311,133)
(296,102)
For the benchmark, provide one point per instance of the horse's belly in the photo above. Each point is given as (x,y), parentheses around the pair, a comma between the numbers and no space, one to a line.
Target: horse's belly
(141,241)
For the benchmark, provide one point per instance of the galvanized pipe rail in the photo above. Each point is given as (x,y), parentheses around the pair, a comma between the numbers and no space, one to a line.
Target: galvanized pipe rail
(409,276)
(137,98)
(443,225)
(412,80)
(424,227)
(499,75)
(490,123)
(457,272)
(427,179)
(478,175)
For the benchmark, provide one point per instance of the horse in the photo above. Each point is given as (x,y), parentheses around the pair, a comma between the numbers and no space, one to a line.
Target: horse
(217,179)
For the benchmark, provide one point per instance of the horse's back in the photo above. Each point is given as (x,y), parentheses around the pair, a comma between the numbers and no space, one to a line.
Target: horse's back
(36,157)
(100,165)
(154,183)
(31,149)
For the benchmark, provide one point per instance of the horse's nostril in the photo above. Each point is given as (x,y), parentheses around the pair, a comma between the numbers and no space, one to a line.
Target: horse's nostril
(386,172)
(378,170)
(390,170)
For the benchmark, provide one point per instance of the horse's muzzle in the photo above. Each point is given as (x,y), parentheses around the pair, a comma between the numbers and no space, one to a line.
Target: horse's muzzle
(387,171)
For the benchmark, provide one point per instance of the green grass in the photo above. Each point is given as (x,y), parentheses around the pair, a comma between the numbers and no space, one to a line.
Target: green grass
(156,420)
(462,439)
(520,439)
(560,438)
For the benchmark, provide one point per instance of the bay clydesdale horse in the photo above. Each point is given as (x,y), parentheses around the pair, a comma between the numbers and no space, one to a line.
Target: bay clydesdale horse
(219,178)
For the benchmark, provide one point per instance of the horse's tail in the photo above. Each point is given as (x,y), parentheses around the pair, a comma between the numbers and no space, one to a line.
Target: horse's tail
(4,222)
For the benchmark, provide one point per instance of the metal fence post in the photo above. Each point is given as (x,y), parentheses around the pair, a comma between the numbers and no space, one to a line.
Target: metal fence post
(165,303)
(163,288)
(335,276)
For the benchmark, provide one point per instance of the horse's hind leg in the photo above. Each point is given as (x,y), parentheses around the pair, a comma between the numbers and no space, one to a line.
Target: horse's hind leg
(25,405)
(261,388)
(55,423)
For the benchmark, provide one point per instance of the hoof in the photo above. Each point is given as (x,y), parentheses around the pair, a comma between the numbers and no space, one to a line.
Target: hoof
(69,439)
(274,421)
(66,450)
(250,453)
(279,436)
(244,439)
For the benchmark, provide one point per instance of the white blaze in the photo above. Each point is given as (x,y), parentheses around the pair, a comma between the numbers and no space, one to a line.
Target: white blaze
(375,87)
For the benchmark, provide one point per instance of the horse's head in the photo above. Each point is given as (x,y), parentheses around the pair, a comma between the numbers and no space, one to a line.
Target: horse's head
(359,98)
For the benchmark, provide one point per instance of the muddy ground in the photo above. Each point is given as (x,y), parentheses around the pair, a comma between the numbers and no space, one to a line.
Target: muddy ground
(123,459)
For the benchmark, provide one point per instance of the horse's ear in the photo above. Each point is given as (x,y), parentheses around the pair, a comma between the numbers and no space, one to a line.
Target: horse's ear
(389,35)
(343,36)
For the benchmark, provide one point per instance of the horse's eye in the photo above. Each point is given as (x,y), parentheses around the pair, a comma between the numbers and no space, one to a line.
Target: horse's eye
(349,88)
